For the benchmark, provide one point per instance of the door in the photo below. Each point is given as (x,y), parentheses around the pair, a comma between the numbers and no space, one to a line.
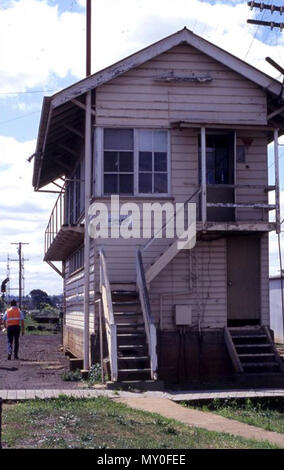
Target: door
(220,173)
(243,279)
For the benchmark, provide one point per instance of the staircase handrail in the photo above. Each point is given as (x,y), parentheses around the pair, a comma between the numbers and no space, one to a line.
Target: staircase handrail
(149,242)
(110,325)
(150,327)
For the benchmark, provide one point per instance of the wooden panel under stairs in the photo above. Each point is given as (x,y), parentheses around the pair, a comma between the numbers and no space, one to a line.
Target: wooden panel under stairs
(132,348)
(253,352)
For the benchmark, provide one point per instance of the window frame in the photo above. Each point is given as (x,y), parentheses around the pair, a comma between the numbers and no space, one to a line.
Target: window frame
(76,260)
(98,175)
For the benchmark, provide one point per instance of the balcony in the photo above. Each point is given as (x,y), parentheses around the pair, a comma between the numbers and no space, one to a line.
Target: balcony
(61,238)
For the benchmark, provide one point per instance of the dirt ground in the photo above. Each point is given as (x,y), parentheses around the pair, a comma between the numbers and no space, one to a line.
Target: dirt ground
(40,365)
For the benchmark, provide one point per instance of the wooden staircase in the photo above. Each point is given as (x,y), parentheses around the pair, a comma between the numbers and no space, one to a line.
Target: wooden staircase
(132,351)
(252,351)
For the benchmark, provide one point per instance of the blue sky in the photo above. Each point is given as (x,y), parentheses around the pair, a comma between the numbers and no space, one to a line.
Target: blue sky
(42,51)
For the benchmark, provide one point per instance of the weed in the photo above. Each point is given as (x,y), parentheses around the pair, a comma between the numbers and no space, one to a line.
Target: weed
(71,376)
(101,423)
(95,374)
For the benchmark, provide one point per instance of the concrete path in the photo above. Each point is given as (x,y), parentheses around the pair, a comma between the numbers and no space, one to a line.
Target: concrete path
(202,419)
(28,394)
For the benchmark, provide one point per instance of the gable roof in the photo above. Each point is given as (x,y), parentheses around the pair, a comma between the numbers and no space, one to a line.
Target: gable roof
(184,36)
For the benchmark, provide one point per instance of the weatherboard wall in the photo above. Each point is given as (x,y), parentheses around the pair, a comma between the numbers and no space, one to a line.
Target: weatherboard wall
(137,98)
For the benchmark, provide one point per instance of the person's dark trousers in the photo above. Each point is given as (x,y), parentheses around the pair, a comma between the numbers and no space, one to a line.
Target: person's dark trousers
(13,333)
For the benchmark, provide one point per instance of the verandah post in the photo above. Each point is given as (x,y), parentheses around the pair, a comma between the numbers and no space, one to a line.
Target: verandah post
(203,177)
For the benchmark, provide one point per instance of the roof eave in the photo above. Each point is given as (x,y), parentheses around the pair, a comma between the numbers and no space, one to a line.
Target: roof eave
(183,36)
(42,131)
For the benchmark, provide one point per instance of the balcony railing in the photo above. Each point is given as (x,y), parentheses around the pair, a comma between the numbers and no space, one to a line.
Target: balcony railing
(55,223)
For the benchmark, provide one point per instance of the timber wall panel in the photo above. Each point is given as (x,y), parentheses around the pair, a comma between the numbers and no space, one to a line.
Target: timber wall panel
(136,99)
(208,294)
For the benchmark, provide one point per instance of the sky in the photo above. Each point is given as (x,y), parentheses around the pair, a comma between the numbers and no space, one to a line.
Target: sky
(42,50)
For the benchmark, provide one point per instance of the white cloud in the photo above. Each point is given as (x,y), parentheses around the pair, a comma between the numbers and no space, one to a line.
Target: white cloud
(23,216)
(38,42)
(41,43)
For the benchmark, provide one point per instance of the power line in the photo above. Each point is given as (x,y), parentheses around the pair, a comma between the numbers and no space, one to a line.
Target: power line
(271,24)
(20,117)
(25,92)
(265,6)
(21,262)
(254,36)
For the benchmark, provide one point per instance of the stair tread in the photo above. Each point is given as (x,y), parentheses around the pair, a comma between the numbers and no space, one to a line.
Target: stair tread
(134,314)
(248,336)
(259,364)
(126,302)
(257,355)
(134,370)
(136,325)
(130,358)
(131,334)
(130,346)
(265,345)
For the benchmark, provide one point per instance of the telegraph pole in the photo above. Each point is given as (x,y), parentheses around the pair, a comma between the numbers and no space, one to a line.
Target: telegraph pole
(273,8)
(21,261)
(273,24)
(88,165)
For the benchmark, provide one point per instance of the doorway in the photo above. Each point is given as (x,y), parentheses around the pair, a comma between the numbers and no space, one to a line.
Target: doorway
(243,280)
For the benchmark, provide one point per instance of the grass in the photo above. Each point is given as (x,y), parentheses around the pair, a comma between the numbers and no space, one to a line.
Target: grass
(101,423)
(267,414)
(30,322)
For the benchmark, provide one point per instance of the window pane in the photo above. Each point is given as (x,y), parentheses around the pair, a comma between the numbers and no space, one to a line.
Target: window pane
(160,161)
(145,182)
(145,161)
(125,161)
(160,141)
(111,161)
(160,183)
(145,140)
(110,184)
(118,139)
(125,184)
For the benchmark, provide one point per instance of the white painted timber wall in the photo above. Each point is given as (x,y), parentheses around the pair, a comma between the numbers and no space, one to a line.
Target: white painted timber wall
(252,172)
(137,99)
(197,278)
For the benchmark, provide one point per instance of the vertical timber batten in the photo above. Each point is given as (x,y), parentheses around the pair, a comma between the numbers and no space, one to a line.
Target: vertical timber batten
(203,177)
(88,166)
(277,190)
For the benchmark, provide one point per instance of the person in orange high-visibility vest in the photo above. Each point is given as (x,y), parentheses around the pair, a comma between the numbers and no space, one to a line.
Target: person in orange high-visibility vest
(14,323)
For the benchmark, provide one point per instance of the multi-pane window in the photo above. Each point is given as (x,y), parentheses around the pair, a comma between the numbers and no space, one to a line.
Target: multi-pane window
(153,162)
(118,161)
(76,260)
(135,162)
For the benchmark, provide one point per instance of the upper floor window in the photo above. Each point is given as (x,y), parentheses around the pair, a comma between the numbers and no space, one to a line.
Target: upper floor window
(135,162)
(118,161)
(153,162)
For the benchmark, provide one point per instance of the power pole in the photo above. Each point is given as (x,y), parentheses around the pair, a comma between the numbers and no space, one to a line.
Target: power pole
(21,261)
(88,38)
(88,154)
(8,277)
(273,8)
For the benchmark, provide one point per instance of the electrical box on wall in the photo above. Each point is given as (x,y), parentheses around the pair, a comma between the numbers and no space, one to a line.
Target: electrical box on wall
(183,315)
